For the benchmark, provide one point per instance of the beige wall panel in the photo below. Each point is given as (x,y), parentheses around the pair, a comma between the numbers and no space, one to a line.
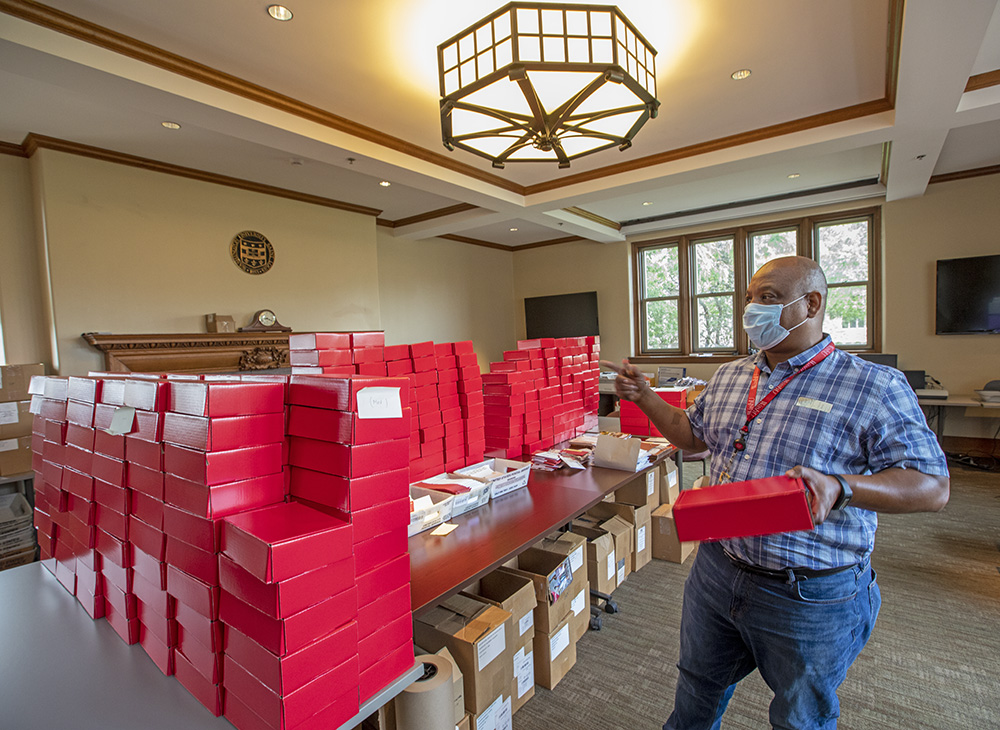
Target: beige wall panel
(133,251)
(446,291)
(579,267)
(952,220)
(21,311)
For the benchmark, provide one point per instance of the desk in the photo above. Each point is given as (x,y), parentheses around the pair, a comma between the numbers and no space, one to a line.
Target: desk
(989,410)
(491,535)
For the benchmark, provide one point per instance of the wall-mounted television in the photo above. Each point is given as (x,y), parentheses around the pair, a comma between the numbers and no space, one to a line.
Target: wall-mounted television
(968,296)
(563,315)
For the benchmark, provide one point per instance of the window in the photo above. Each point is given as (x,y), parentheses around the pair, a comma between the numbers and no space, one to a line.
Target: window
(690,290)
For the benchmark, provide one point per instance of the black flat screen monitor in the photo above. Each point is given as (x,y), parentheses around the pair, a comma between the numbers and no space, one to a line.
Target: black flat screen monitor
(968,296)
(563,315)
(879,357)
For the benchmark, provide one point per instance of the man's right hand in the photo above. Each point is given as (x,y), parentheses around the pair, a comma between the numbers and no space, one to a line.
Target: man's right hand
(630,384)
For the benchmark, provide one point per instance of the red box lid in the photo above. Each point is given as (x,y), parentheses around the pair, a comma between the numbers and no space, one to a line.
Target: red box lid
(342,427)
(340,392)
(289,596)
(227,399)
(222,434)
(742,509)
(220,500)
(284,540)
(319,341)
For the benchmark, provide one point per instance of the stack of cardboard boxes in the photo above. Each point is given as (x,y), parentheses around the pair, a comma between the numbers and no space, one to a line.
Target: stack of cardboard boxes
(15,418)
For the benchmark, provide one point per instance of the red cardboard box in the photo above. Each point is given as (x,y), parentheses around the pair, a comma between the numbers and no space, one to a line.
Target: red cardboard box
(383,579)
(339,393)
(741,509)
(320,358)
(290,596)
(385,670)
(208,694)
(220,400)
(288,673)
(349,495)
(192,626)
(201,564)
(78,484)
(342,427)
(379,518)
(349,461)
(320,341)
(380,549)
(196,531)
(126,628)
(148,426)
(113,550)
(82,437)
(153,597)
(109,444)
(149,567)
(223,434)
(206,661)
(294,710)
(147,538)
(381,612)
(287,635)
(148,454)
(284,540)
(148,509)
(196,594)
(147,395)
(220,500)
(220,467)
(109,470)
(111,495)
(161,653)
(145,480)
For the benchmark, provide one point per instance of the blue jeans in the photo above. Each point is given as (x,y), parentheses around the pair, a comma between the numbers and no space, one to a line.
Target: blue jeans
(801,636)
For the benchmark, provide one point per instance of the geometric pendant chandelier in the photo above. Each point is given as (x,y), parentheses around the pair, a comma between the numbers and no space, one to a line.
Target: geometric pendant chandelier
(546,82)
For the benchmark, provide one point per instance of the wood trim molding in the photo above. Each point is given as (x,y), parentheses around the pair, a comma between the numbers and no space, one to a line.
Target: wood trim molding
(893,44)
(432,214)
(965,174)
(593,217)
(34,142)
(15,150)
(983,80)
(189,353)
(857,111)
(883,176)
(553,242)
(84,30)
(475,242)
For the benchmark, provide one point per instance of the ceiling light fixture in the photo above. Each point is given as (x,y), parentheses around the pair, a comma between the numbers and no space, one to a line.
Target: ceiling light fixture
(384,183)
(541,82)
(279,12)
(648,202)
(513,230)
(170,125)
(793,175)
(743,73)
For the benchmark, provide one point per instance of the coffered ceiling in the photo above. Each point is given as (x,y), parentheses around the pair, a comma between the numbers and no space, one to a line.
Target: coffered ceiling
(854,98)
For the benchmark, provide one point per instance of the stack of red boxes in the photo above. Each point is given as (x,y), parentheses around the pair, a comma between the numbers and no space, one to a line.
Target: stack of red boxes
(635,422)
(470,403)
(289,605)
(337,353)
(349,451)
(540,394)
(425,401)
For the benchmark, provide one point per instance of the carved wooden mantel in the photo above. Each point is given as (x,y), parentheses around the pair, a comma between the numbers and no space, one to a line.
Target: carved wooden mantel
(193,353)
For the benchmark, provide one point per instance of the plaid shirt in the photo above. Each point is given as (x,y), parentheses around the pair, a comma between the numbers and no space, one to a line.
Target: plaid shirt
(842,416)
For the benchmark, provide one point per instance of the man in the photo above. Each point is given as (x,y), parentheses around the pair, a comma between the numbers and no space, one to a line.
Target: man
(797,606)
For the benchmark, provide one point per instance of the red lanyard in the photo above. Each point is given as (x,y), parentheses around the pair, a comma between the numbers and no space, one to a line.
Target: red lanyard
(754,410)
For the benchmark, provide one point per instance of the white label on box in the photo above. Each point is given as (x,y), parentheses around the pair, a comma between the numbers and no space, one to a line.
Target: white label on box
(576,559)
(8,413)
(621,571)
(121,421)
(559,642)
(526,622)
(489,717)
(578,603)
(379,403)
(504,721)
(491,647)
(640,539)
(672,478)
(524,670)
(650,482)
(36,405)
(611,564)
(8,445)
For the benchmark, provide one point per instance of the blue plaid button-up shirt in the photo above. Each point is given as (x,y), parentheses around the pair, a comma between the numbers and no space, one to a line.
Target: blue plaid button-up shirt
(843,416)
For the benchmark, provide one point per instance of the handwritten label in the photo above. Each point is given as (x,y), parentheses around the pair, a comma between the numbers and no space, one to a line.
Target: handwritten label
(8,413)
(491,647)
(379,403)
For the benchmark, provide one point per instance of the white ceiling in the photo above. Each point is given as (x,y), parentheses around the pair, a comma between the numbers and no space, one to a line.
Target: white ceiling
(371,63)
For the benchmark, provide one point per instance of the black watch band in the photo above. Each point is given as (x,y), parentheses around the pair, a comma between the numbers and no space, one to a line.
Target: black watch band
(845,493)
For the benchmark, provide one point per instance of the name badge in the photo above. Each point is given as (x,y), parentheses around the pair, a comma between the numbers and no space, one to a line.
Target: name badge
(816,405)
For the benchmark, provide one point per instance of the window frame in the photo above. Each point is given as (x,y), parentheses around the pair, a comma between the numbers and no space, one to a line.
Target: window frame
(806,245)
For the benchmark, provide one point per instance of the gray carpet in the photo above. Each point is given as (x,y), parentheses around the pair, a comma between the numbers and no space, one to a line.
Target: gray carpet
(932,661)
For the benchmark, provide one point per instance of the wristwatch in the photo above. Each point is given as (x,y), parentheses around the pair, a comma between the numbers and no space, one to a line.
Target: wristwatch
(845,493)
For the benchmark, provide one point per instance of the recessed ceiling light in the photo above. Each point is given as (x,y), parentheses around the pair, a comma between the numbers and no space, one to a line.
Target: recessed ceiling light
(170,125)
(793,175)
(279,12)
(513,230)
(648,202)
(743,73)
(295,162)
(384,183)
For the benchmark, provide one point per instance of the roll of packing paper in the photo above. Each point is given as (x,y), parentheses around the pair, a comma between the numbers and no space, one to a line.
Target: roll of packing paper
(428,703)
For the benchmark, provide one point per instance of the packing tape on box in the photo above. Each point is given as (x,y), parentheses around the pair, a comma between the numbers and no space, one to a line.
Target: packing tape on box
(428,703)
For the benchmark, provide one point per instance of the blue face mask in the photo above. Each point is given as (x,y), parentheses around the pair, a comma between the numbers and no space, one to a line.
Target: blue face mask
(762,323)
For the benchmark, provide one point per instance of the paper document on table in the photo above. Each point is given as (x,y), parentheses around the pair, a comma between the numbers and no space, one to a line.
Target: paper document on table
(618,453)
(445,529)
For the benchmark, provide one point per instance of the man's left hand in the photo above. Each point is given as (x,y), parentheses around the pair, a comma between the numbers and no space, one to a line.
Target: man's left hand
(823,490)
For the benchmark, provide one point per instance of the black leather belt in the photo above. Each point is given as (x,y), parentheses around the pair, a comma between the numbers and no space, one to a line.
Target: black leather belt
(789,575)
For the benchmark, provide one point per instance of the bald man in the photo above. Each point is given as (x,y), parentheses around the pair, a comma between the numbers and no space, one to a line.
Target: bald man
(797,606)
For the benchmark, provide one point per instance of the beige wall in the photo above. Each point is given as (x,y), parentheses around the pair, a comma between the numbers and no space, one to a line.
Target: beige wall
(21,318)
(951,220)
(133,251)
(580,267)
(447,291)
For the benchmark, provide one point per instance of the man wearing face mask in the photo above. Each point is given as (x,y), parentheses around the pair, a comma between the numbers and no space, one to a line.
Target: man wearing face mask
(798,606)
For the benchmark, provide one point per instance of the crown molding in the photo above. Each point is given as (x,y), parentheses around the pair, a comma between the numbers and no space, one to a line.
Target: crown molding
(965,174)
(983,80)
(432,214)
(15,150)
(594,218)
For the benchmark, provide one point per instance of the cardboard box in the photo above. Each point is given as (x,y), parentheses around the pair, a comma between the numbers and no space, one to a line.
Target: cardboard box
(15,456)
(15,419)
(196,594)
(288,596)
(496,716)
(665,543)
(220,467)
(223,434)
(478,637)
(383,578)
(552,576)
(514,594)
(220,500)
(387,669)
(285,540)
(429,509)
(522,687)
(637,516)
(555,654)
(381,612)
(343,427)
(742,509)
(669,483)
(341,393)
(601,562)
(570,545)
(346,460)
(15,379)
(644,489)
(503,475)
(579,615)
(220,399)
(349,495)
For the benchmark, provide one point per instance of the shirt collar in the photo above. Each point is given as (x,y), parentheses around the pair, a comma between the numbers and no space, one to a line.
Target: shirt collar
(760,360)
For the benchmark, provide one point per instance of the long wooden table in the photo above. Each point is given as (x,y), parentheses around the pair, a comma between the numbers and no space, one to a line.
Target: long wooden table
(491,535)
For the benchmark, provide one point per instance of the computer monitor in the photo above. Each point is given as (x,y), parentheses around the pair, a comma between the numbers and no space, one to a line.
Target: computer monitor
(879,358)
